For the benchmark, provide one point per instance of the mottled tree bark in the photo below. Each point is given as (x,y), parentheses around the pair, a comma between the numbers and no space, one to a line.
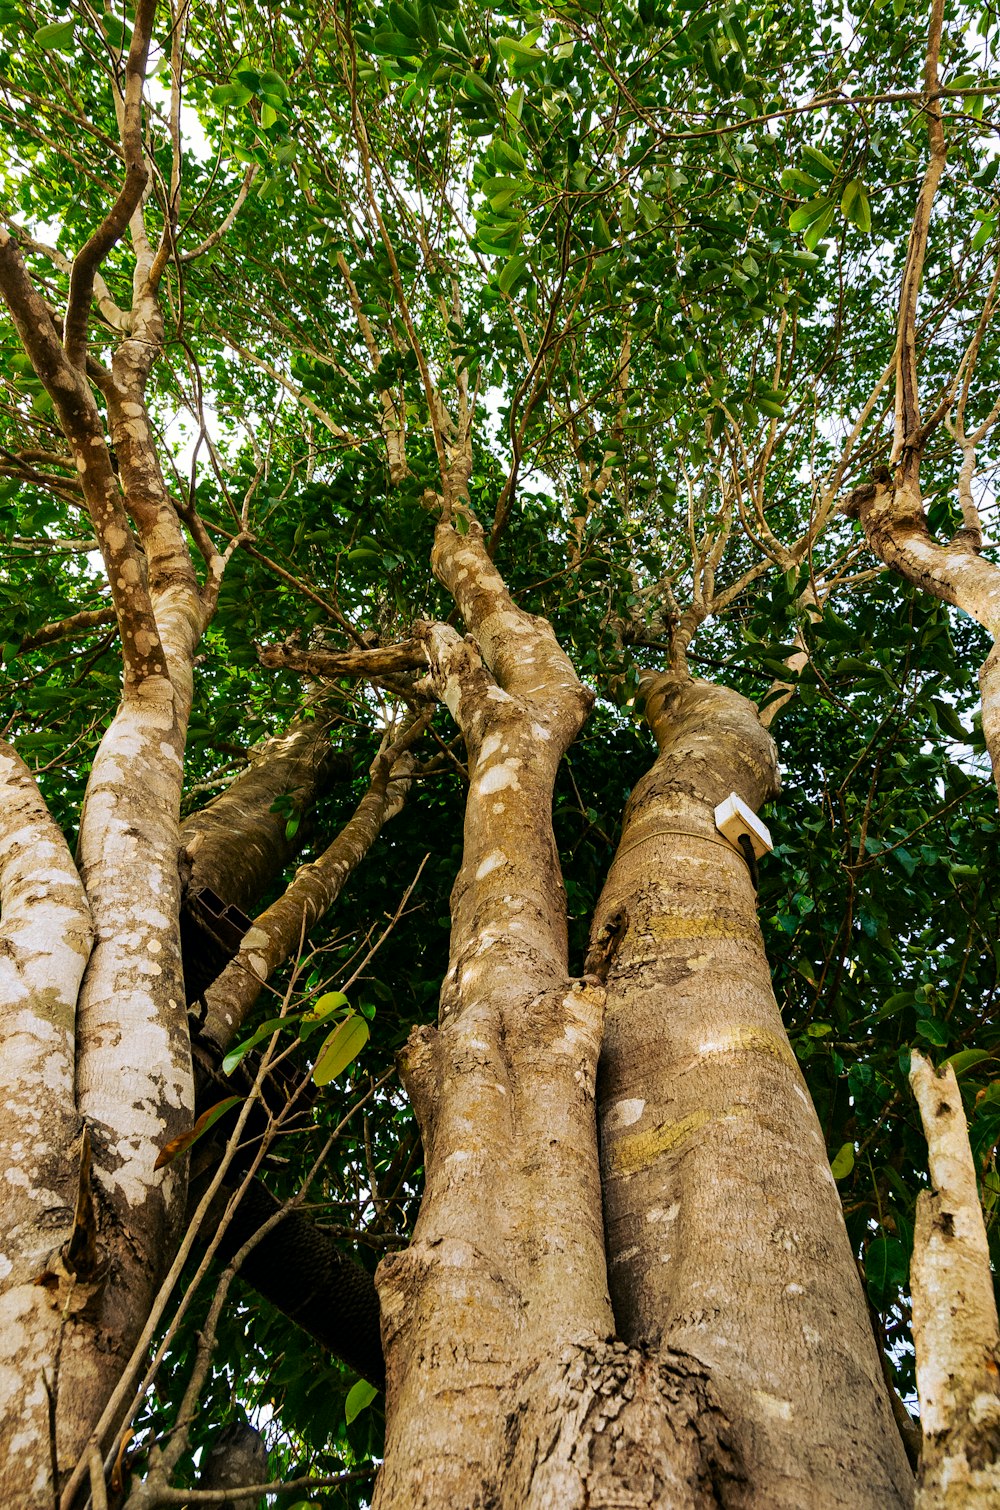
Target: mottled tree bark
(131,1068)
(46,935)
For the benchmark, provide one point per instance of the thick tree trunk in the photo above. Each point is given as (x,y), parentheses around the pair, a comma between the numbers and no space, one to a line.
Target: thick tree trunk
(726,1239)
(506,1266)
(503,1386)
(45,941)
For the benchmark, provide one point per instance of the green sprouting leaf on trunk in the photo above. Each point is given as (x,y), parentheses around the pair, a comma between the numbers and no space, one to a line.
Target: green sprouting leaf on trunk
(359,1397)
(58,37)
(855,206)
(843,1162)
(340,1049)
(172,1150)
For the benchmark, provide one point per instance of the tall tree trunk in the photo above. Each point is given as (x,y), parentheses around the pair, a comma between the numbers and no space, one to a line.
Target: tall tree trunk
(726,1239)
(503,1386)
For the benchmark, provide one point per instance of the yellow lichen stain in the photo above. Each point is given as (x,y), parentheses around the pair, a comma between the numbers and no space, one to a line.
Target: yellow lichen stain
(676,927)
(751,1041)
(639,1150)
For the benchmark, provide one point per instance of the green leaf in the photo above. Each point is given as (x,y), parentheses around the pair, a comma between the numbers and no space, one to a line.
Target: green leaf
(983,235)
(324,1008)
(330,1001)
(934,1030)
(58,37)
(817,162)
(268,116)
(966,1060)
(511,272)
(231,94)
(359,1397)
(855,206)
(241,1050)
(179,1145)
(338,1050)
(843,1162)
(806,214)
(392,44)
(814,235)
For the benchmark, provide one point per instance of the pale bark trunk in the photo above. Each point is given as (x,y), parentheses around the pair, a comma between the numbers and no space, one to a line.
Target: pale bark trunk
(503,1388)
(133,1083)
(45,941)
(955,1328)
(726,1239)
(506,1267)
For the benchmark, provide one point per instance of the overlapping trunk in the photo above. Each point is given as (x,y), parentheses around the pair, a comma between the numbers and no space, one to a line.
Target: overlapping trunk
(505,1385)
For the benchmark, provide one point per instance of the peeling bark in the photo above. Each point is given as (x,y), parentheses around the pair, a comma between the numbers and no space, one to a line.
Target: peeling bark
(955,1328)
(725,1235)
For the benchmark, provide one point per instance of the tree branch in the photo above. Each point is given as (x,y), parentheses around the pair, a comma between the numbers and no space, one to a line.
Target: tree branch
(115,223)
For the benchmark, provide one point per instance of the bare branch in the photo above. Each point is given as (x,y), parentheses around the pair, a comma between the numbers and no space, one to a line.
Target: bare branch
(906,432)
(407,655)
(64,629)
(216,236)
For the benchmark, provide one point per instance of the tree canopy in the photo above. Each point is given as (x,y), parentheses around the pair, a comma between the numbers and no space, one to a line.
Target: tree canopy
(616,290)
